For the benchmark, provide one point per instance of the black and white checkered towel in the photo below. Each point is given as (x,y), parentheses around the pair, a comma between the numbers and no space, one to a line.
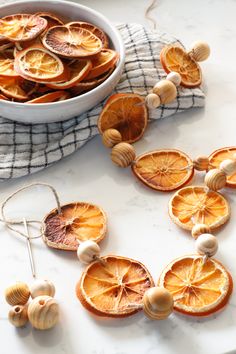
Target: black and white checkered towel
(27,148)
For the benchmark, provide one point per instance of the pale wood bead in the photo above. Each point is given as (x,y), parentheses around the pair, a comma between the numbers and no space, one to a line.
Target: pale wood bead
(166,90)
(123,154)
(18,316)
(207,244)
(152,100)
(43,312)
(174,77)
(215,179)
(88,251)
(17,294)
(201,163)
(200,229)
(42,287)
(157,303)
(199,51)
(228,167)
(111,137)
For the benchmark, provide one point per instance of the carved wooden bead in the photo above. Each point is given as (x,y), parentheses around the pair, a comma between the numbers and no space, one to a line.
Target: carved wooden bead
(17,294)
(88,251)
(201,163)
(174,77)
(42,287)
(152,101)
(207,244)
(166,90)
(157,303)
(228,167)
(199,51)
(215,179)
(18,316)
(111,137)
(200,229)
(123,154)
(43,312)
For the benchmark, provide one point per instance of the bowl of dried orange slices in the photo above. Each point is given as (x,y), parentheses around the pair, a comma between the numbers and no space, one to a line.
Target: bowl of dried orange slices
(57,60)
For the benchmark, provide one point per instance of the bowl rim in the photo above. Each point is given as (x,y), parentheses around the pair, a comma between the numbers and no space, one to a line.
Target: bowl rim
(86,94)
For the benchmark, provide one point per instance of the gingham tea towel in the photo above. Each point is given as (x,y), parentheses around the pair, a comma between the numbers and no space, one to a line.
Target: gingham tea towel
(27,148)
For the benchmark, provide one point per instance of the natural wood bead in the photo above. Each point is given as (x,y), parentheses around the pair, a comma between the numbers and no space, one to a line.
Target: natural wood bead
(166,90)
(111,137)
(18,316)
(199,51)
(201,163)
(87,251)
(200,229)
(207,244)
(174,77)
(215,179)
(43,312)
(152,101)
(228,167)
(42,287)
(17,294)
(123,154)
(157,303)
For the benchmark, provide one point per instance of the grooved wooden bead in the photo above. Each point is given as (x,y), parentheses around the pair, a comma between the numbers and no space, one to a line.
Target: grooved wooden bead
(152,101)
(123,154)
(215,179)
(111,137)
(157,303)
(201,163)
(43,312)
(18,316)
(228,167)
(17,294)
(87,251)
(199,51)
(207,244)
(42,287)
(166,90)
(174,77)
(200,229)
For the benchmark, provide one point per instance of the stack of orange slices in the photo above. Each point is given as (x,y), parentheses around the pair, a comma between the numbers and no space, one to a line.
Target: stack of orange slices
(57,59)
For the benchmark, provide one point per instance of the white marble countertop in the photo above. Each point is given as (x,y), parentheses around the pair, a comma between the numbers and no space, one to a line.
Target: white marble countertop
(139,226)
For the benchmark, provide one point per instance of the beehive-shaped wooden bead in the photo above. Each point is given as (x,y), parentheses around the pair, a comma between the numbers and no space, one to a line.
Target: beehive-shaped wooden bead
(43,312)
(18,316)
(215,179)
(123,154)
(166,90)
(88,251)
(201,163)
(152,101)
(200,229)
(111,137)
(157,303)
(199,51)
(207,244)
(17,294)
(42,287)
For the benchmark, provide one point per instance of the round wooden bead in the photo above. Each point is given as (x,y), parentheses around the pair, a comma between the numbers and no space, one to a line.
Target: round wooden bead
(152,101)
(200,229)
(207,244)
(228,167)
(17,294)
(215,179)
(166,90)
(157,303)
(111,137)
(42,287)
(123,154)
(43,312)
(18,316)
(199,51)
(88,251)
(174,77)
(201,163)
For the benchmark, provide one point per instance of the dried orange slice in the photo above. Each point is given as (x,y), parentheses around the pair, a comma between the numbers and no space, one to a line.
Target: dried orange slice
(127,113)
(2,97)
(52,19)
(197,205)
(11,87)
(114,286)
(164,170)
(78,69)
(72,42)
(223,154)
(22,27)
(103,62)
(51,97)
(199,288)
(7,67)
(76,222)
(95,30)
(174,58)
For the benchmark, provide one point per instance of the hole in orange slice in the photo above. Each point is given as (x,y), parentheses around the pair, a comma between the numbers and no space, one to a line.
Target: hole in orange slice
(51,97)
(164,170)
(198,289)
(197,205)
(127,113)
(103,61)
(77,222)
(223,154)
(11,87)
(114,286)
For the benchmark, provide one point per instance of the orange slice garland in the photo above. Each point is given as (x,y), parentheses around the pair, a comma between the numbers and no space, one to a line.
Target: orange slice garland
(103,62)
(11,87)
(51,97)
(199,288)
(113,286)
(164,170)
(196,205)
(218,156)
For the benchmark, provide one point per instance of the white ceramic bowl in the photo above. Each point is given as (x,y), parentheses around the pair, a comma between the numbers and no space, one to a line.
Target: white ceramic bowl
(58,111)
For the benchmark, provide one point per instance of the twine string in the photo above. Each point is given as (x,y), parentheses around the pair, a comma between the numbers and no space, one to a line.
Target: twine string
(149,9)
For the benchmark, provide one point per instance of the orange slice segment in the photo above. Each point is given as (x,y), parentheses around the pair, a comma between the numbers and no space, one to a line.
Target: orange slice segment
(22,27)
(72,42)
(51,97)
(52,19)
(220,155)
(7,67)
(164,170)
(103,61)
(198,288)
(76,222)
(11,87)
(113,287)
(127,113)
(174,58)
(198,205)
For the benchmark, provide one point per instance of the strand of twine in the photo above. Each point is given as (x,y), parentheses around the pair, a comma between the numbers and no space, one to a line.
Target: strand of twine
(148,12)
